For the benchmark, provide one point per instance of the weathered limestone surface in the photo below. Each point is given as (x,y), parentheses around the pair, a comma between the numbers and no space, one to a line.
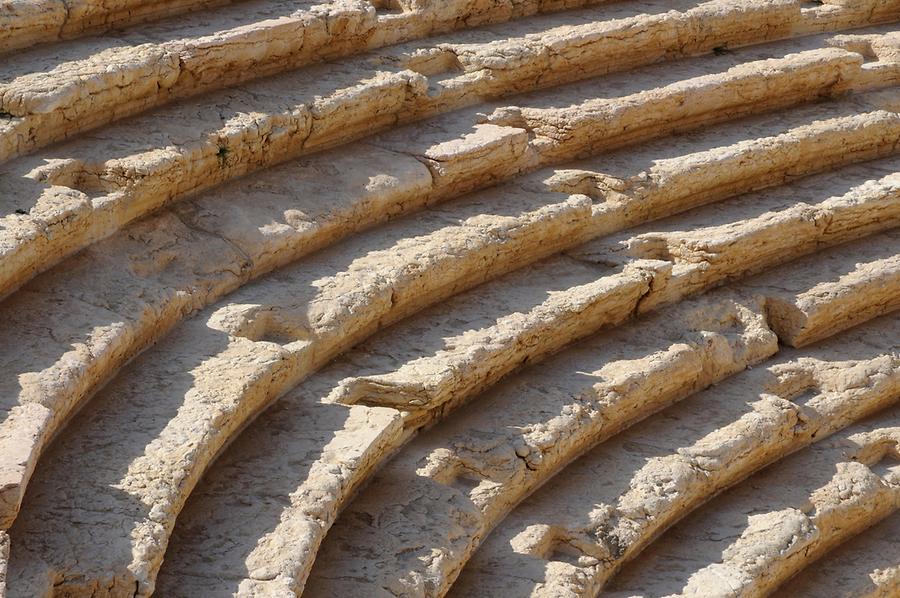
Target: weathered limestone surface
(363,283)
(677,352)
(754,537)
(63,336)
(73,195)
(240,332)
(363,276)
(569,538)
(837,294)
(172,62)
(269,221)
(427,554)
(331,448)
(748,233)
(24,23)
(54,92)
(866,567)
(733,161)
(280,29)
(234,360)
(425,382)
(4,560)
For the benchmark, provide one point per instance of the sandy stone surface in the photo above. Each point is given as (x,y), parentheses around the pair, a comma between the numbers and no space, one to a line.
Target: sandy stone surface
(571,537)
(754,537)
(235,250)
(344,297)
(54,92)
(63,198)
(464,462)
(867,566)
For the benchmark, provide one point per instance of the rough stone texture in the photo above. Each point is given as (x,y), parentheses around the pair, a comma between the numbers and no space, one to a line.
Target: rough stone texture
(238,312)
(749,233)
(848,288)
(52,93)
(866,567)
(84,190)
(4,560)
(246,239)
(24,23)
(425,555)
(571,537)
(235,359)
(246,352)
(418,384)
(754,537)
(201,536)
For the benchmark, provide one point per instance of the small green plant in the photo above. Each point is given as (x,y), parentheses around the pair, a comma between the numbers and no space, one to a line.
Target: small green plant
(222,155)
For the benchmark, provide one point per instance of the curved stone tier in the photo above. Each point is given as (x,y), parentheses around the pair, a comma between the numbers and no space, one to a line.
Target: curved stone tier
(418,298)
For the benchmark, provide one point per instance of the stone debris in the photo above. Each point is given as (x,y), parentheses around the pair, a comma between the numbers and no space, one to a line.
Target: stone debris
(316,297)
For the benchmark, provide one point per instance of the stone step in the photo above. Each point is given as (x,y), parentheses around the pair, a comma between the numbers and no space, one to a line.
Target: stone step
(648,177)
(689,345)
(393,272)
(569,538)
(209,373)
(739,236)
(503,449)
(249,236)
(806,306)
(353,24)
(128,291)
(50,94)
(461,364)
(65,198)
(24,23)
(757,535)
(867,566)
(159,423)
(422,377)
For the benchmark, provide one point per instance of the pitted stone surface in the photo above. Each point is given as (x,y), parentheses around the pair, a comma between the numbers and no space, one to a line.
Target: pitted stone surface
(570,538)
(308,297)
(476,466)
(757,535)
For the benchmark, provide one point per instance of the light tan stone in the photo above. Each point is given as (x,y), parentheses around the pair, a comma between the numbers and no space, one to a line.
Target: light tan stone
(842,289)
(757,535)
(55,92)
(164,291)
(186,562)
(429,550)
(353,289)
(91,196)
(76,194)
(386,307)
(4,560)
(427,508)
(569,538)
(867,566)
(27,22)
(749,233)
